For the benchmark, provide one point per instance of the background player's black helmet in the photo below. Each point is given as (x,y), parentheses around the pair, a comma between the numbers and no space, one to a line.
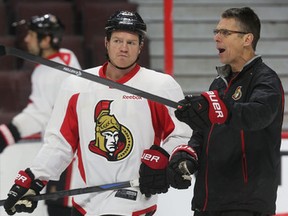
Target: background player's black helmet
(47,24)
(128,21)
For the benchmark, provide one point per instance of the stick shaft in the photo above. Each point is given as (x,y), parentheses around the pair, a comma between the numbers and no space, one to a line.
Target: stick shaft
(78,191)
(83,74)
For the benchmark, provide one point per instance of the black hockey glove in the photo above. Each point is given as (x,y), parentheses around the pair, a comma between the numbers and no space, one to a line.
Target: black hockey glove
(183,163)
(8,135)
(25,185)
(200,111)
(153,171)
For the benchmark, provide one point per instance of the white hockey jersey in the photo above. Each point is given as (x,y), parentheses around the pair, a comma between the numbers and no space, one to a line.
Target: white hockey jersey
(108,130)
(46,83)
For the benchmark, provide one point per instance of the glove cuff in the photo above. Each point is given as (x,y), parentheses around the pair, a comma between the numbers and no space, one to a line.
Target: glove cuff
(160,149)
(37,185)
(187,149)
(155,157)
(24,178)
(218,112)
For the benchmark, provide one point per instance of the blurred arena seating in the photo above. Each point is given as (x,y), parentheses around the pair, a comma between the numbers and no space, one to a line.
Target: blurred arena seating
(84,34)
(7,62)
(15,88)
(3,19)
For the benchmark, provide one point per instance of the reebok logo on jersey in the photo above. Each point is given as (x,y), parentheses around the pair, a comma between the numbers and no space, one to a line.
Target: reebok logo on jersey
(132,97)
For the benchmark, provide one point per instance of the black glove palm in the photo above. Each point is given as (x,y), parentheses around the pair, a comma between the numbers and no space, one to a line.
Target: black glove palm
(201,111)
(194,112)
(153,171)
(178,174)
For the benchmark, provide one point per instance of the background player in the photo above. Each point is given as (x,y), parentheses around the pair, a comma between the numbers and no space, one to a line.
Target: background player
(43,38)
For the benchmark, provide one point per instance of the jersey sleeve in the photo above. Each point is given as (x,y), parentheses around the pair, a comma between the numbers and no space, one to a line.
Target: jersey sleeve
(167,127)
(57,153)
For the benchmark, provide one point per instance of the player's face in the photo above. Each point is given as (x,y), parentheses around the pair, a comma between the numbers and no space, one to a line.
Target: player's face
(123,48)
(31,41)
(231,45)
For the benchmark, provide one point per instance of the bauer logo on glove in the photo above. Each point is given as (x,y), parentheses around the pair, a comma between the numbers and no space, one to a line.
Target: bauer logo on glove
(200,111)
(154,159)
(153,171)
(217,109)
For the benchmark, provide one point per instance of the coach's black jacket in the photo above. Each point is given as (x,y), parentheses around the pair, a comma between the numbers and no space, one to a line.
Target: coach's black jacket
(240,160)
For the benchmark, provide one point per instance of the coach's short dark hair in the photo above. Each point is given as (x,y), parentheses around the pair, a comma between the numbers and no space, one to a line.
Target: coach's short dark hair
(248,21)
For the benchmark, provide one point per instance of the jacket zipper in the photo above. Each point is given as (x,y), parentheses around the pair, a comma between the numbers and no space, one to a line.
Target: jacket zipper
(244,159)
(206,170)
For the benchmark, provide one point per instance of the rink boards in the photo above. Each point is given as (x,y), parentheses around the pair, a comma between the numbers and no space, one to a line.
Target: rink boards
(175,202)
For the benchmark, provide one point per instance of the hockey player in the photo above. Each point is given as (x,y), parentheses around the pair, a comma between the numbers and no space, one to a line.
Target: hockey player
(237,127)
(116,136)
(43,38)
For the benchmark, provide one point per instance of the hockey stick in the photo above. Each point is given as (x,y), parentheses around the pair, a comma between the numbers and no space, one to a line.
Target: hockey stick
(80,73)
(78,191)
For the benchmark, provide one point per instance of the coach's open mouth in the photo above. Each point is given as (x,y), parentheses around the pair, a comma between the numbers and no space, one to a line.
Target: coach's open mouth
(221,50)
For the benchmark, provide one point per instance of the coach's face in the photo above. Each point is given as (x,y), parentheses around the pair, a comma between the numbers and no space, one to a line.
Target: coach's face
(123,48)
(232,43)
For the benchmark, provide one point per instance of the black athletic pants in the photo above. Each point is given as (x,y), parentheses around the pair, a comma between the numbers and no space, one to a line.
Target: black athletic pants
(230,213)
(55,210)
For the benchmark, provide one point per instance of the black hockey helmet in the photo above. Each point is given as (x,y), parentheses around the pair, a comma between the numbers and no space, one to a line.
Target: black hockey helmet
(126,20)
(47,24)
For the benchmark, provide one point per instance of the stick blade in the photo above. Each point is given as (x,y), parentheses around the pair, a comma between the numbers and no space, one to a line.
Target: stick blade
(2,50)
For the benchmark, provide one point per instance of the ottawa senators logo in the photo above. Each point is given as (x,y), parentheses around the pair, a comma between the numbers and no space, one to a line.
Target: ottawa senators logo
(237,94)
(112,140)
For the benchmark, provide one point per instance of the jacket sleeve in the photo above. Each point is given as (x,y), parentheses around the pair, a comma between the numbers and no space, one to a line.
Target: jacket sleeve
(262,105)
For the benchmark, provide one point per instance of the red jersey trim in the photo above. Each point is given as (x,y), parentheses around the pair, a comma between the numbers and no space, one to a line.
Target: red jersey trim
(78,207)
(161,120)
(69,130)
(69,127)
(65,57)
(125,78)
(145,211)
